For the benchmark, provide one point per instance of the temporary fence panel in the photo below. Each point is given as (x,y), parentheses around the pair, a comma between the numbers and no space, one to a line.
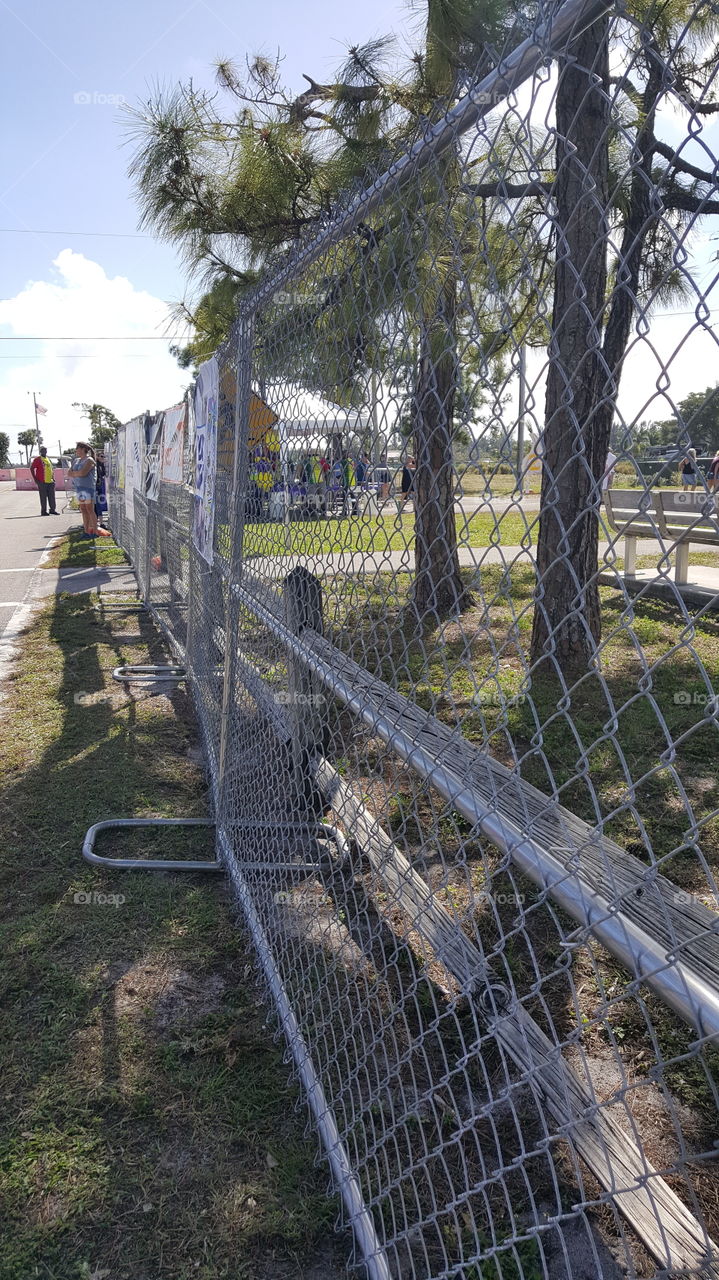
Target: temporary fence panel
(461,740)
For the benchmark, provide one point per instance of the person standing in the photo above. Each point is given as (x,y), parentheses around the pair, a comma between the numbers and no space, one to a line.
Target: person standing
(408,471)
(362,471)
(608,474)
(83,476)
(382,477)
(713,473)
(689,469)
(100,490)
(41,470)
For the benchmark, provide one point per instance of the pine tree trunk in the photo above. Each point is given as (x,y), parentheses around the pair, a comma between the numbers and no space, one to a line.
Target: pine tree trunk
(567,621)
(640,220)
(438,587)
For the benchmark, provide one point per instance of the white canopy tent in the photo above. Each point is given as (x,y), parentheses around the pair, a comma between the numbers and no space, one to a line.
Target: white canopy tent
(307,423)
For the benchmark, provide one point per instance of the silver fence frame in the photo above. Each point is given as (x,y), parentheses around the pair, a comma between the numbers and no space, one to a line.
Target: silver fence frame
(189,599)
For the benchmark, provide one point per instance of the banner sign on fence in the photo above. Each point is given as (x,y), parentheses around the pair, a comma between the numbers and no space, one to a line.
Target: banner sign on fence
(134,450)
(152,475)
(173,440)
(206,397)
(226,419)
(120,461)
(152,457)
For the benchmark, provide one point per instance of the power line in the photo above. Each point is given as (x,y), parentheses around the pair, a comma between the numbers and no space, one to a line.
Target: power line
(117,235)
(119,337)
(84,355)
(664,315)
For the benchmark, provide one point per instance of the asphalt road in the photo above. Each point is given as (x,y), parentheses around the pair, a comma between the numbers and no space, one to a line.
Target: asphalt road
(24,535)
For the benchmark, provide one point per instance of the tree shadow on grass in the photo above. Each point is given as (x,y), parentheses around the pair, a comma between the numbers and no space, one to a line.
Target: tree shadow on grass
(78,552)
(122,991)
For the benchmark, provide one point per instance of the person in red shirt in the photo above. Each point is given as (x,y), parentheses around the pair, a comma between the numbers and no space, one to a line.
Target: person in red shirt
(41,470)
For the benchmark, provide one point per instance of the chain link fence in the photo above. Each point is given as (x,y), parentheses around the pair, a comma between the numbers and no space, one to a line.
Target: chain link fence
(453,647)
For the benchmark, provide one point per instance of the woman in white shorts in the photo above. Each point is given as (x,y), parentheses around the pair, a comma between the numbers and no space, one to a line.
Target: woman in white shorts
(83,476)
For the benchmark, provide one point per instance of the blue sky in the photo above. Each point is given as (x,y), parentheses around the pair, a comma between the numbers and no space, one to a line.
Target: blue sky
(64,170)
(67,69)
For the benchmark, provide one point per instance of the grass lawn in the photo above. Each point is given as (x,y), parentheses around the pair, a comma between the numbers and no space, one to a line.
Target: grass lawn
(379,534)
(72,551)
(470,673)
(148,1127)
(501,485)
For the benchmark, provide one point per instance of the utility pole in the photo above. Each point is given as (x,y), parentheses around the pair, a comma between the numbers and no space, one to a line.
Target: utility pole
(374,451)
(520,417)
(38,437)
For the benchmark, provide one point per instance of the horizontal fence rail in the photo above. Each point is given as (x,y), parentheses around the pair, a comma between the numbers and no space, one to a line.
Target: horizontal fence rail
(434,542)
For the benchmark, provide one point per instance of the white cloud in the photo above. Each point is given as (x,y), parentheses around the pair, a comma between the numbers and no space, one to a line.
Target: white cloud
(80,302)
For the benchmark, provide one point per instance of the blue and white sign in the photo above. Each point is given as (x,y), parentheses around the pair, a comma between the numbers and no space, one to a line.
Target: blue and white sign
(205,404)
(134,453)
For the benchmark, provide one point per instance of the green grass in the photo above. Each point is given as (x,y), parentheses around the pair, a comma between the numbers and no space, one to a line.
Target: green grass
(501,486)
(447,665)
(75,552)
(147,1126)
(471,675)
(380,534)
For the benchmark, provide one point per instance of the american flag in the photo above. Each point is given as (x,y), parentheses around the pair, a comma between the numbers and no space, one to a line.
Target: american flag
(39,409)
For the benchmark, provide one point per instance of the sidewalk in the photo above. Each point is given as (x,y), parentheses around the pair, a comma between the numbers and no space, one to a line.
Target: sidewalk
(702,589)
(368,562)
(119,579)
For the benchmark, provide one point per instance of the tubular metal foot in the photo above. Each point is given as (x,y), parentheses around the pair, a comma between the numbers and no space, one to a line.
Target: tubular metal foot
(145,864)
(149,674)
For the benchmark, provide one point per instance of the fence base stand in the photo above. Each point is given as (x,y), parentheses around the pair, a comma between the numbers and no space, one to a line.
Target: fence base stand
(149,674)
(128,605)
(145,864)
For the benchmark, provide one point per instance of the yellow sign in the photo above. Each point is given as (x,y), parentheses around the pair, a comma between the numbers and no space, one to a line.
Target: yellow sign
(262,419)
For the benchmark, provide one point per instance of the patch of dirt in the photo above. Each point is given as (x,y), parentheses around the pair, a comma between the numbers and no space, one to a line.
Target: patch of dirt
(173,995)
(184,1159)
(51,1208)
(575,1251)
(329,1263)
(631,1098)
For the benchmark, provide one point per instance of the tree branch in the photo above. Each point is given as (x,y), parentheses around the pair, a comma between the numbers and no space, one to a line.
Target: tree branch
(507,190)
(675,198)
(677,163)
(699,108)
(302,105)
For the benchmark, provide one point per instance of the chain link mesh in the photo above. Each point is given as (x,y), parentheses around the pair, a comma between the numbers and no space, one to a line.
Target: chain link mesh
(455,660)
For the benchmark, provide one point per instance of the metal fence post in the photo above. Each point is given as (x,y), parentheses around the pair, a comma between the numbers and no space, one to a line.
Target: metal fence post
(497,970)
(308,702)
(240,466)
